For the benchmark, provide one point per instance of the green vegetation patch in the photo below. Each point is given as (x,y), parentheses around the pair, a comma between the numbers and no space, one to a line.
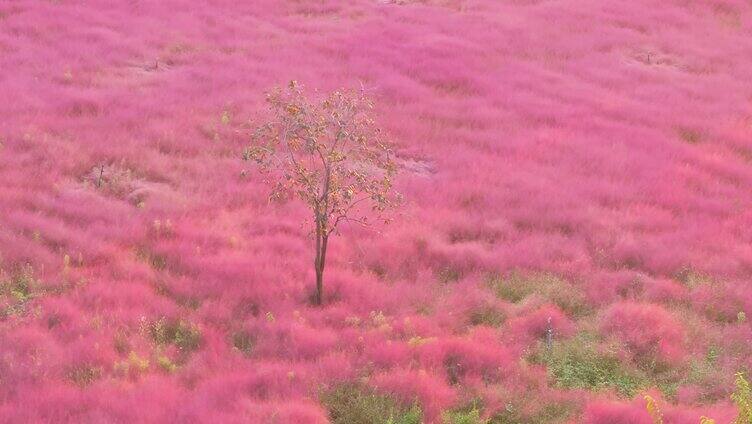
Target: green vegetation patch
(355,403)
(517,287)
(166,364)
(578,364)
(156,261)
(470,414)
(487,315)
(83,375)
(244,342)
(185,335)
(550,413)
(448,274)
(742,398)
(17,289)
(690,135)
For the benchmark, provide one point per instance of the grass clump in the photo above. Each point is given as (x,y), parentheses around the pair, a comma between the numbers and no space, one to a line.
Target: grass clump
(83,375)
(555,412)
(448,275)
(742,398)
(690,135)
(185,335)
(517,287)
(17,289)
(578,364)
(467,415)
(703,373)
(166,364)
(529,411)
(121,343)
(133,366)
(357,404)
(244,342)
(487,315)
(692,278)
(508,416)
(157,261)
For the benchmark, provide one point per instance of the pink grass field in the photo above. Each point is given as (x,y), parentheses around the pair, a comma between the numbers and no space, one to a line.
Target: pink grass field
(595,154)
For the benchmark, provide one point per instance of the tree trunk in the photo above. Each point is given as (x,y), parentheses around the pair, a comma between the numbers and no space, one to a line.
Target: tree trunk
(321,243)
(318,298)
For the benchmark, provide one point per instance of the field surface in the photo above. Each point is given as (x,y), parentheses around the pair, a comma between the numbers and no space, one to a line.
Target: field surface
(576,231)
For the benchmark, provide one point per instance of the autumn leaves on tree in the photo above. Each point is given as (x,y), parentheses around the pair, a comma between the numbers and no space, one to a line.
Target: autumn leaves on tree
(330,155)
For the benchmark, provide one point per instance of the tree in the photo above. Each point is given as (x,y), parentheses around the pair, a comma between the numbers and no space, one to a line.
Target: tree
(329,154)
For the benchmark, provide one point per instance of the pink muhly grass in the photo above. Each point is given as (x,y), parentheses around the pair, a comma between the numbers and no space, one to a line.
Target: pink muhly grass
(607,143)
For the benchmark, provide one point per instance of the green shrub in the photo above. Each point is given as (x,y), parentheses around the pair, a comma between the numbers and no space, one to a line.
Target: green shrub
(487,315)
(244,342)
(83,375)
(448,274)
(469,415)
(413,415)
(155,260)
(577,364)
(549,413)
(121,343)
(166,364)
(690,135)
(509,289)
(507,417)
(17,289)
(132,366)
(516,287)
(742,397)
(692,278)
(554,412)
(183,334)
(357,404)
(702,372)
